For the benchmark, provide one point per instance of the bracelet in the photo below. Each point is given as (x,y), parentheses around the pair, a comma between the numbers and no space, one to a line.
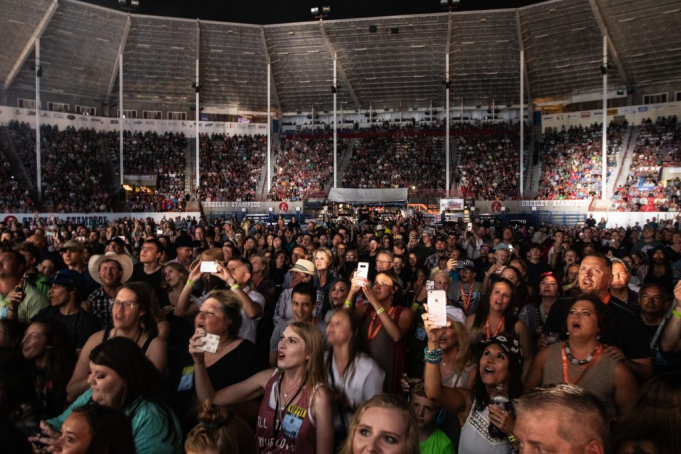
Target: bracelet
(234,287)
(676,314)
(513,440)
(415,306)
(190,282)
(570,285)
(348,303)
(432,356)
(380,311)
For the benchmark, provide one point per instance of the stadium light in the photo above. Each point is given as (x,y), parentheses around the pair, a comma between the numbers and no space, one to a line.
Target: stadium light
(450,4)
(320,12)
(129,5)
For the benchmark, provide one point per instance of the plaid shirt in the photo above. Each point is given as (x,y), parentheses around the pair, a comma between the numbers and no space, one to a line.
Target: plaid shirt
(100,304)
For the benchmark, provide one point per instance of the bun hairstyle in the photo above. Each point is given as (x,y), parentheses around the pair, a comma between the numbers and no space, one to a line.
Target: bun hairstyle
(220,430)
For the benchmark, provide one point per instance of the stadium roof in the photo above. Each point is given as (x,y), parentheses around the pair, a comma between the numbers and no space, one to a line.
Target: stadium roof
(387,62)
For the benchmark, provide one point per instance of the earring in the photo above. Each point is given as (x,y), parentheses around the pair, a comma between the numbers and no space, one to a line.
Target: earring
(598,337)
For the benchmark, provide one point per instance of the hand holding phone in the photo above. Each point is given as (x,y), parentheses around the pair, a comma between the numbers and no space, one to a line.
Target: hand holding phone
(209,267)
(437,307)
(363,271)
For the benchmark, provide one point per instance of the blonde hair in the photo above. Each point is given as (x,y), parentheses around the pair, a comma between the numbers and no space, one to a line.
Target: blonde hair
(389,401)
(463,339)
(327,252)
(220,430)
(315,373)
(184,274)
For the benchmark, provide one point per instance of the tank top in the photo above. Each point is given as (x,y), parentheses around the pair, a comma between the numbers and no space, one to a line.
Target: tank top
(475,437)
(598,379)
(291,429)
(144,346)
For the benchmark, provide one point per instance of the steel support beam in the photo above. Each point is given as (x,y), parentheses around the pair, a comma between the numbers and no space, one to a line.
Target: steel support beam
(37,33)
(611,46)
(341,71)
(121,49)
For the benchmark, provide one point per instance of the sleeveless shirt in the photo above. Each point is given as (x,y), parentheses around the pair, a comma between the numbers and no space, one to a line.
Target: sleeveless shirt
(598,379)
(291,429)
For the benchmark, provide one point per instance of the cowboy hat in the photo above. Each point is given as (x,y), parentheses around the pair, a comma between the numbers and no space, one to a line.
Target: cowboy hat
(123,260)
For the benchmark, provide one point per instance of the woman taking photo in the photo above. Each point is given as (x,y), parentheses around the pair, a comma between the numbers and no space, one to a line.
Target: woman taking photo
(132,314)
(50,350)
(580,360)
(354,377)
(384,326)
(295,413)
(385,424)
(495,316)
(234,361)
(485,426)
(123,378)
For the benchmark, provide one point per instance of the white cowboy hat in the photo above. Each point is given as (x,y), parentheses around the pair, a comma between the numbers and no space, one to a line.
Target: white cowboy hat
(123,260)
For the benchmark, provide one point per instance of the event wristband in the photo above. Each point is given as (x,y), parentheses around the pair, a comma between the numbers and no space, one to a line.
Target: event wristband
(234,287)
(676,314)
(348,303)
(190,282)
(380,311)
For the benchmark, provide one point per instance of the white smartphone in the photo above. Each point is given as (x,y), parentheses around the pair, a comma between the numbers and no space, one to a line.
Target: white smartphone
(159,232)
(210,343)
(209,267)
(363,270)
(437,307)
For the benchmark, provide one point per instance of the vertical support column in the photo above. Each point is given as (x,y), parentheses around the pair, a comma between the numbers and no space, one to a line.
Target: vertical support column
(605,118)
(446,124)
(198,111)
(522,123)
(269,125)
(38,73)
(335,125)
(121,117)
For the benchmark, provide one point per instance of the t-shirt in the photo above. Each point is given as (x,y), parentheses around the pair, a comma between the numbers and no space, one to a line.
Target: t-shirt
(437,443)
(154,279)
(456,297)
(628,332)
(150,430)
(81,325)
(34,301)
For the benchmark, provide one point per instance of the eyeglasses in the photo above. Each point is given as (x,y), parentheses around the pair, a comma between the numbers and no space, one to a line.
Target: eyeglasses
(384,262)
(123,304)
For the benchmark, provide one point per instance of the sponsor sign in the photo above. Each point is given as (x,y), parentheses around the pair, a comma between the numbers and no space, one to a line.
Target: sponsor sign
(643,108)
(451,204)
(253,207)
(585,114)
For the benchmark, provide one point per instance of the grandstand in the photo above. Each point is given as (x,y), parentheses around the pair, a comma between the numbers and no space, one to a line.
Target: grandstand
(390,71)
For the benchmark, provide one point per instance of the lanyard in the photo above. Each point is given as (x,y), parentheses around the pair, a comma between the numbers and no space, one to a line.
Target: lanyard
(566,370)
(657,334)
(465,303)
(276,410)
(497,329)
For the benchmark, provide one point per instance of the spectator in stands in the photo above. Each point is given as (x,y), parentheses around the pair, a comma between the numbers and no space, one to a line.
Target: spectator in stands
(220,429)
(546,416)
(110,270)
(133,314)
(19,299)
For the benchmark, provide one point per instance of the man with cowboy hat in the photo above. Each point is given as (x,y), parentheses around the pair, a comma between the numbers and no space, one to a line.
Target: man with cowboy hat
(184,247)
(110,270)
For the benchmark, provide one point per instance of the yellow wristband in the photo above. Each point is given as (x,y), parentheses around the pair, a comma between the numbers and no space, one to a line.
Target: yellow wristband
(348,303)
(676,314)
(380,311)
(190,282)
(234,287)
(415,306)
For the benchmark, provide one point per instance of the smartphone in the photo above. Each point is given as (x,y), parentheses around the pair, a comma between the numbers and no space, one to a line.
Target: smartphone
(363,270)
(469,227)
(159,232)
(430,285)
(459,264)
(122,238)
(437,307)
(209,267)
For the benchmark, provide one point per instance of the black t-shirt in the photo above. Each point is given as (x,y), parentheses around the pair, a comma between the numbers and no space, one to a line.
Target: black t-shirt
(81,325)
(154,279)
(627,330)
(662,362)
(534,271)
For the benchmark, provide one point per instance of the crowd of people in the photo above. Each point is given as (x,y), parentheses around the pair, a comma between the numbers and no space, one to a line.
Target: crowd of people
(73,171)
(489,157)
(231,166)
(658,145)
(14,197)
(408,161)
(572,160)
(303,165)
(196,335)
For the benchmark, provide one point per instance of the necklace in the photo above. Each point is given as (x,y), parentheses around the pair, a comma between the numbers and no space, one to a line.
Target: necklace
(373,333)
(566,370)
(497,329)
(580,362)
(288,391)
